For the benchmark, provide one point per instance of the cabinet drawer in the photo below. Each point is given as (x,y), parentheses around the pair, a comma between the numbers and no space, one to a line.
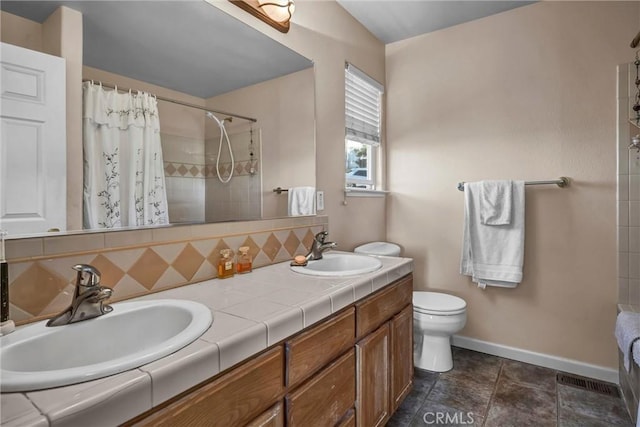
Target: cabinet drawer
(313,349)
(379,308)
(326,397)
(273,417)
(235,398)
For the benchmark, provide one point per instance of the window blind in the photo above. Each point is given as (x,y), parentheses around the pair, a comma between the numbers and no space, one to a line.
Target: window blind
(363,106)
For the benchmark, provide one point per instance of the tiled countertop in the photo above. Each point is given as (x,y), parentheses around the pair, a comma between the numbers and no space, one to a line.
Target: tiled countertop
(250,313)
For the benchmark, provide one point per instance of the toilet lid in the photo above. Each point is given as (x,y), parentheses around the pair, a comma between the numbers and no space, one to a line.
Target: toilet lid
(437,302)
(379,248)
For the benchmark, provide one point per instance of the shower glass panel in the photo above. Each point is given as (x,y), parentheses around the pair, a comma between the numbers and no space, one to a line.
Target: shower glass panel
(240,199)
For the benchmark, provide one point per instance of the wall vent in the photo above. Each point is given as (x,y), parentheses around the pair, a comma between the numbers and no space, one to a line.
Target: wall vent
(588,384)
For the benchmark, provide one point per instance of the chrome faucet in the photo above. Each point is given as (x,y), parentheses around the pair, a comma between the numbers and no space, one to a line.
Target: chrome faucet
(88,298)
(319,246)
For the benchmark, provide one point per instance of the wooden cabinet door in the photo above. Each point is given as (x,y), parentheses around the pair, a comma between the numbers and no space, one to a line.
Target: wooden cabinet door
(325,398)
(234,399)
(373,371)
(401,356)
(349,420)
(273,417)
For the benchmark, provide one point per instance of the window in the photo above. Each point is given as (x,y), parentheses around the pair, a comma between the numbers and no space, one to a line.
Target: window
(363,109)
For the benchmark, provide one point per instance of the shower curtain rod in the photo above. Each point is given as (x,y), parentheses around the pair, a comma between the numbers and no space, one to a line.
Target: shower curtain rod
(186,104)
(563,181)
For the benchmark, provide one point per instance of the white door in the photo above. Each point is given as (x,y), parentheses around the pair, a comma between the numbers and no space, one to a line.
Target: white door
(33,172)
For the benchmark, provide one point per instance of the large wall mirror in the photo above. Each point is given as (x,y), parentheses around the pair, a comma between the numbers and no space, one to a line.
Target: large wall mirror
(236,109)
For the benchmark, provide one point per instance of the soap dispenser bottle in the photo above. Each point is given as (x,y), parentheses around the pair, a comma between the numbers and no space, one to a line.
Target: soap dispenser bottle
(225,265)
(244,260)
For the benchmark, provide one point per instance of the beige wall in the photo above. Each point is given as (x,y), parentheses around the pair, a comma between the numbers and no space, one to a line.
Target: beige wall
(62,36)
(20,32)
(325,33)
(526,94)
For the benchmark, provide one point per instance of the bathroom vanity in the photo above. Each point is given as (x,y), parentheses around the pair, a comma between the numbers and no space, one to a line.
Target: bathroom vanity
(353,368)
(283,349)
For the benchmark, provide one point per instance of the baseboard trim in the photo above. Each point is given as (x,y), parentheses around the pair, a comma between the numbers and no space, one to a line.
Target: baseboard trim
(545,360)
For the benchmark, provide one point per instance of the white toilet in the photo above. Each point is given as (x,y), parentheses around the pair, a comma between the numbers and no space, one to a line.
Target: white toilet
(436,316)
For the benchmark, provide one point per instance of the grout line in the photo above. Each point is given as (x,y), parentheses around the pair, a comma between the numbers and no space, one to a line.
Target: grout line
(557,399)
(424,400)
(493,393)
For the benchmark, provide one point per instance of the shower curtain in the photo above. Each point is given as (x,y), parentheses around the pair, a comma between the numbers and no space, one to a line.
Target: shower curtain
(123,169)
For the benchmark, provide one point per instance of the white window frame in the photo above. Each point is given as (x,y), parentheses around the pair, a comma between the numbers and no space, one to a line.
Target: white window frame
(363,122)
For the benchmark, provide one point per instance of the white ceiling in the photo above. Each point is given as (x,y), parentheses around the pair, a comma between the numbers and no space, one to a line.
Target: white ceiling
(394,20)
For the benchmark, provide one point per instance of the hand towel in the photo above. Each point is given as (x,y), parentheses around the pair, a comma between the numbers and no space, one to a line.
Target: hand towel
(493,255)
(627,332)
(495,202)
(302,201)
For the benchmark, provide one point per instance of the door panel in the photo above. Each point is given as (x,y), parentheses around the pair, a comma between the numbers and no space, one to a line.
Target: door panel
(33,141)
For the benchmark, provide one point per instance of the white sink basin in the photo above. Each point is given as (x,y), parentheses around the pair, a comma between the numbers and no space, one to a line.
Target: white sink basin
(133,334)
(340,265)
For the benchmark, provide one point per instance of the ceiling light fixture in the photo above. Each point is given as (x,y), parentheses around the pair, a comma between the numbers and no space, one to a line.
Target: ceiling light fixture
(276,13)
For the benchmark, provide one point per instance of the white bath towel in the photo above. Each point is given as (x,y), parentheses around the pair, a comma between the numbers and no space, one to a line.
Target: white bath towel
(302,201)
(627,332)
(495,202)
(493,255)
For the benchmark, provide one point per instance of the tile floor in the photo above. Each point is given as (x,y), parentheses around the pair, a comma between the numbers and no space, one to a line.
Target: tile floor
(485,390)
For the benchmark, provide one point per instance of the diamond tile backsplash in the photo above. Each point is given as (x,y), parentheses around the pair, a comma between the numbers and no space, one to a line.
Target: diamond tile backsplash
(41,285)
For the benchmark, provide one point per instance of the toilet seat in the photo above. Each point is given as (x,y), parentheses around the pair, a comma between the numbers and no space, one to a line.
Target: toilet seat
(438,304)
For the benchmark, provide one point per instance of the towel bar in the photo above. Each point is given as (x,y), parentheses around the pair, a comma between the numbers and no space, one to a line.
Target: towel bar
(279,190)
(561,182)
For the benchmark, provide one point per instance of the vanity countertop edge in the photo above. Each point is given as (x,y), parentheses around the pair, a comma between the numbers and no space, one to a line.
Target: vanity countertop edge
(251,312)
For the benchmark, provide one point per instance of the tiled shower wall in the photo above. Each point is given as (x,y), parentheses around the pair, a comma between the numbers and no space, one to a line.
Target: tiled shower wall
(628,193)
(184,169)
(139,262)
(240,198)
(628,224)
